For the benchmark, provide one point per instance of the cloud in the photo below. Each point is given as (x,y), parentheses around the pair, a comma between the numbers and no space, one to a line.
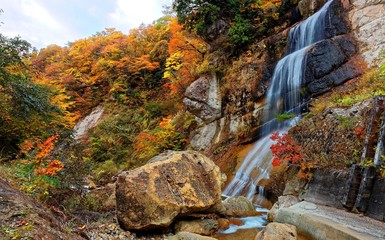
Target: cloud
(130,14)
(32,21)
(38,14)
(44,22)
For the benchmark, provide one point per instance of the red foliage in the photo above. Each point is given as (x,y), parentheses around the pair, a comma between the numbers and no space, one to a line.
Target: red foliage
(276,162)
(359,131)
(285,150)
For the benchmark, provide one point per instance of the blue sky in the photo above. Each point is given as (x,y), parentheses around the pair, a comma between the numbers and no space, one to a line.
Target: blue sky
(44,22)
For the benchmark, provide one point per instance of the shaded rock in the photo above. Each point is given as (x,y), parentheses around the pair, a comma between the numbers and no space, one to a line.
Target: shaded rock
(172,184)
(278,231)
(202,98)
(328,64)
(21,217)
(347,44)
(327,187)
(283,202)
(335,78)
(199,226)
(189,236)
(376,206)
(293,186)
(238,206)
(322,58)
(337,22)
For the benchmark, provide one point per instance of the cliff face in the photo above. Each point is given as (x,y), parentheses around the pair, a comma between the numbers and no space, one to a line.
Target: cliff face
(229,105)
(367,21)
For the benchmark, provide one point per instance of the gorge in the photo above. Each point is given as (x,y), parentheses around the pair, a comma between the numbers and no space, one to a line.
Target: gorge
(184,128)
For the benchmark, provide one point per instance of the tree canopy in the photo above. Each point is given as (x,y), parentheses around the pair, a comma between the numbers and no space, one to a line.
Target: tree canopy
(247,19)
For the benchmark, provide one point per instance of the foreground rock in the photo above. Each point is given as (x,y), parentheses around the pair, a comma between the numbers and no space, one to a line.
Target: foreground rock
(199,226)
(189,236)
(21,217)
(320,222)
(239,207)
(171,185)
(278,231)
(283,202)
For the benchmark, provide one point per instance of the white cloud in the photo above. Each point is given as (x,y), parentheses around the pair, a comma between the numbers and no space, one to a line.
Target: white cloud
(132,13)
(44,22)
(38,14)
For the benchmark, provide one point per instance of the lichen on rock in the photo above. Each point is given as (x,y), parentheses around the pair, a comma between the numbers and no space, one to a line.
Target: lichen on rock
(171,185)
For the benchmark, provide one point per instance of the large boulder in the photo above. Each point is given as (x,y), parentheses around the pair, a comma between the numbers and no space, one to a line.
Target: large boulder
(171,185)
(329,64)
(238,206)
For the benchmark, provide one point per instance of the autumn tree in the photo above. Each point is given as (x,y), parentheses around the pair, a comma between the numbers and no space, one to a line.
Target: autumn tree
(247,19)
(186,54)
(26,108)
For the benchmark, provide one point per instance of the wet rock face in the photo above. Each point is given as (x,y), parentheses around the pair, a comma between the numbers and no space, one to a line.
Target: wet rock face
(202,98)
(337,22)
(328,64)
(23,217)
(172,184)
(327,187)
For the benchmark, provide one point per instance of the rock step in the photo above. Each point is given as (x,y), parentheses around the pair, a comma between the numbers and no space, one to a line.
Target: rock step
(324,223)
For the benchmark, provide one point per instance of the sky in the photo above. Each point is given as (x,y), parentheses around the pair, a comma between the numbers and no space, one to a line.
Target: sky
(45,22)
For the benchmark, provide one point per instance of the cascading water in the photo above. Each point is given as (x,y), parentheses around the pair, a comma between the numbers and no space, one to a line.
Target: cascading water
(283,96)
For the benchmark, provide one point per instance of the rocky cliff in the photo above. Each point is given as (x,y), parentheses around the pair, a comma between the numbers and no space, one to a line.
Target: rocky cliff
(229,105)
(367,22)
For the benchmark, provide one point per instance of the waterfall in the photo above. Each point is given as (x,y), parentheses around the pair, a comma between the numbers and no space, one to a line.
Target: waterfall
(283,95)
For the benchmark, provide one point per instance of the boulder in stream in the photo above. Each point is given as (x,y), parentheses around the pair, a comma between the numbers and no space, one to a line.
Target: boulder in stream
(198,226)
(239,207)
(171,185)
(278,231)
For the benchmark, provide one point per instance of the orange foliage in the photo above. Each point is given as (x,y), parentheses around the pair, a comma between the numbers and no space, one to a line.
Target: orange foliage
(46,147)
(186,53)
(165,121)
(143,139)
(51,169)
(43,166)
